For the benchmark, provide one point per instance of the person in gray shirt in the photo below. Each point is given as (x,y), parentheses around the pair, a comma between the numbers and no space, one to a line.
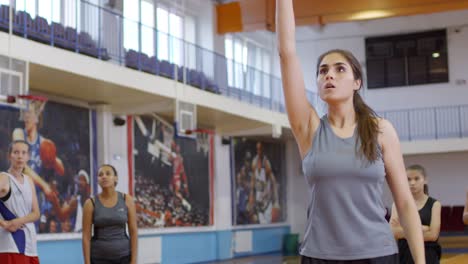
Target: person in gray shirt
(346,157)
(110,212)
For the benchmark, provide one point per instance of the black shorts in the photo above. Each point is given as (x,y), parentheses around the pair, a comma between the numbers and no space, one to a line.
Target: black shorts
(391,259)
(123,260)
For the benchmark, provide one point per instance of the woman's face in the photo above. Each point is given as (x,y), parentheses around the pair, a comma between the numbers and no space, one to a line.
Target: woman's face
(107,177)
(19,155)
(30,119)
(335,80)
(416,181)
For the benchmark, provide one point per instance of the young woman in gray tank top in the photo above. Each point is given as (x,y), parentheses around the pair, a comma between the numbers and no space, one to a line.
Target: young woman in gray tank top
(346,157)
(109,213)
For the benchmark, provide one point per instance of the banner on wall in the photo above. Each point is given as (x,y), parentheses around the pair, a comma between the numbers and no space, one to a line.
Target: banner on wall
(172,176)
(258,180)
(59,139)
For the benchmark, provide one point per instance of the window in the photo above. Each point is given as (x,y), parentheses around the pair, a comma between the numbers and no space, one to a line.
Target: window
(155,38)
(147,30)
(28,6)
(248,66)
(410,59)
(48,9)
(162,25)
(71,9)
(131,14)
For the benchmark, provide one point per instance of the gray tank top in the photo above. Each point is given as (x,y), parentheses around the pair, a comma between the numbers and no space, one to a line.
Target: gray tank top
(346,215)
(110,240)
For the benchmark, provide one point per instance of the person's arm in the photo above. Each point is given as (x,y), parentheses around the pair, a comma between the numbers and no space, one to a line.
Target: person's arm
(465,212)
(4,189)
(398,183)
(4,185)
(271,176)
(431,232)
(86,231)
(132,228)
(252,183)
(397,230)
(45,187)
(302,116)
(33,216)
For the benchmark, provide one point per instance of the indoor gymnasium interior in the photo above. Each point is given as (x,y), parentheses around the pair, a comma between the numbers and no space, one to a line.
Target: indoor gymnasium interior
(187,102)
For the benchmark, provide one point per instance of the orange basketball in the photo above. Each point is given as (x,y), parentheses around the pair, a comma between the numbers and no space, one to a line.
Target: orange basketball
(275,214)
(48,153)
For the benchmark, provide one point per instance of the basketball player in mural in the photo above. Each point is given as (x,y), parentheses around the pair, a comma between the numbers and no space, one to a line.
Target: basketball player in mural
(245,213)
(179,183)
(42,164)
(263,193)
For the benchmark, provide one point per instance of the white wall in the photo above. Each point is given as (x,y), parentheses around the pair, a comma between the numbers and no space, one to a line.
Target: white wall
(112,146)
(222,185)
(312,41)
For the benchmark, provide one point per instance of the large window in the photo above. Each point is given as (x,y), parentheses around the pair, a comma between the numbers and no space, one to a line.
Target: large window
(156,38)
(248,65)
(48,9)
(410,59)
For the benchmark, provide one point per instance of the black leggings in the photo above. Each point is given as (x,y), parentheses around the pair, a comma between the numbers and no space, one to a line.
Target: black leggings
(391,259)
(122,260)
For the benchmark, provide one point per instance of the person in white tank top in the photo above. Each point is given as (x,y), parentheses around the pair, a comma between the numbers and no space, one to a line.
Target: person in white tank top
(19,209)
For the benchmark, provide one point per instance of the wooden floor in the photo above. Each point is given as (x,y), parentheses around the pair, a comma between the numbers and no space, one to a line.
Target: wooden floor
(446,259)
(455,259)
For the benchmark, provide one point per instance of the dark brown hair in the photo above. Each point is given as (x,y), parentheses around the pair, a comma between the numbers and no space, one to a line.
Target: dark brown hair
(422,170)
(18,141)
(366,118)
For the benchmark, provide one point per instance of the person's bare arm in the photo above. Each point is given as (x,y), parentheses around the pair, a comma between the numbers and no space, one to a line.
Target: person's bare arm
(397,230)
(398,183)
(302,116)
(132,228)
(4,185)
(431,232)
(86,232)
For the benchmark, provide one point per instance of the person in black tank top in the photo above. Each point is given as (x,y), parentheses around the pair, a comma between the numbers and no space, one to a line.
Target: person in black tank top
(109,213)
(430,214)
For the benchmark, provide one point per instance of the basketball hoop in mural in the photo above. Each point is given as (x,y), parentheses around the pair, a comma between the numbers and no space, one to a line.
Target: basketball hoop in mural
(202,138)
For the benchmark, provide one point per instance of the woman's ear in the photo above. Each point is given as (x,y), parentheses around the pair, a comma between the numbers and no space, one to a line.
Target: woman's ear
(358,84)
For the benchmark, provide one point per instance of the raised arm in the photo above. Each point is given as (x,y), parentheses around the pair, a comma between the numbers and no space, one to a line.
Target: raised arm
(465,212)
(302,116)
(398,183)
(132,228)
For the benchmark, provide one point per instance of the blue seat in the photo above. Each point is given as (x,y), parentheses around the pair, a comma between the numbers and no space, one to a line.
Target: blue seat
(41,30)
(23,23)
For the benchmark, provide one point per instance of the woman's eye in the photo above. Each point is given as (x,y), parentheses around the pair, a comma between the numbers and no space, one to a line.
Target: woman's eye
(323,71)
(341,69)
